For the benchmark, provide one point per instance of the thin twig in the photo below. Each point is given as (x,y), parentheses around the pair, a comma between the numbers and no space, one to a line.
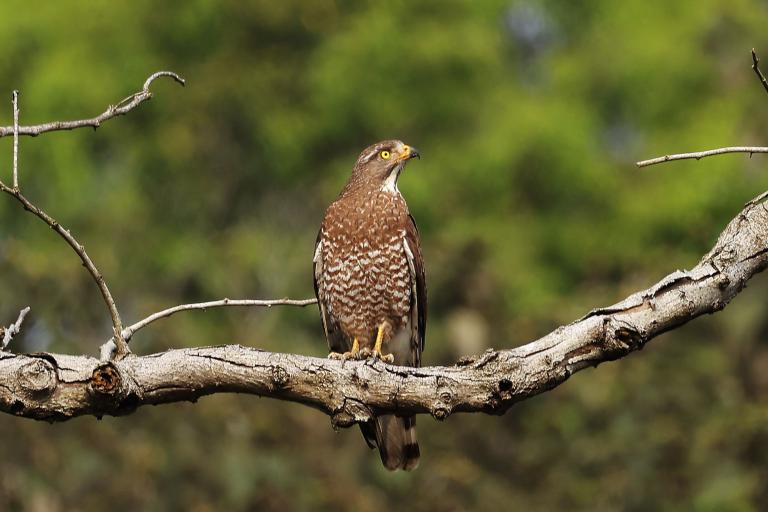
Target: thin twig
(759,73)
(16,139)
(128,332)
(13,329)
(701,154)
(122,346)
(156,75)
(122,108)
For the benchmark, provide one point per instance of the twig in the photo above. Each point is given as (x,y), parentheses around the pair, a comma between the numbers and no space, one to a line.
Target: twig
(122,346)
(759,73)
(158,74)
(122,108)
(128,332)
(16,139)
(701,154)
(108,347)
(13,329)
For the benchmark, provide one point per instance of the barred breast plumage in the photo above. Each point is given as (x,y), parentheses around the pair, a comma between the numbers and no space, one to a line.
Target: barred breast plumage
(366,279)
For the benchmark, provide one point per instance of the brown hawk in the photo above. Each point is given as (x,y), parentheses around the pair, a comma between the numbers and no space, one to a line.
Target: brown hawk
(370,283)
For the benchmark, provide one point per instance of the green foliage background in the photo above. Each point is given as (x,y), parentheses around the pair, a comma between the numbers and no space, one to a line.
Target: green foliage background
(529,116)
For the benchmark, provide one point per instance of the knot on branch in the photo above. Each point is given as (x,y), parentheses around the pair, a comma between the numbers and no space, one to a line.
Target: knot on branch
(502,393)
(37,378)
(107,384)
(622,337)
(628,337)
(342,419)
(110,390)
(106,380)
(447,396)
(279,376)
(351,411)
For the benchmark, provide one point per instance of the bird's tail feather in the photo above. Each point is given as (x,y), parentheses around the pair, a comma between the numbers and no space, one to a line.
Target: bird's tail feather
(396,439)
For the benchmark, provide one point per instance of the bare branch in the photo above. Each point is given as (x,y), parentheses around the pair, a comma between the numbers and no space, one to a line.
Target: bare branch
(733,149)
(59,387)
(12,330)
(759,73)
(129,331)
(109,347)
(15,139)
(122,108)
(158,74)
(122,346)
(701,154)
(125,106)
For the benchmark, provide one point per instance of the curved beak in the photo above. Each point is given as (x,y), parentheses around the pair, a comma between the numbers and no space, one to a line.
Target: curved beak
(409,152)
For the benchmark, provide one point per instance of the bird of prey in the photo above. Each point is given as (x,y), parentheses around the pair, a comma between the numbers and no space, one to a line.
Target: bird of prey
(370,283)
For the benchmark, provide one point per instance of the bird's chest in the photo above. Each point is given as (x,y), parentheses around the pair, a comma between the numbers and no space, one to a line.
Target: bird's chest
(366,270)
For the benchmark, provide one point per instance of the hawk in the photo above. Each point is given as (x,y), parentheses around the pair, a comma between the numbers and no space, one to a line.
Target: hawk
(370,284)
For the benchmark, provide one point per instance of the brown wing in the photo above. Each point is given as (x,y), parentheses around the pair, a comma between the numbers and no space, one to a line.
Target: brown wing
(419,293)
(337,342)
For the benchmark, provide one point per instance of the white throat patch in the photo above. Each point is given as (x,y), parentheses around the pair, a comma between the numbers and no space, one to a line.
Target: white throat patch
(390,184)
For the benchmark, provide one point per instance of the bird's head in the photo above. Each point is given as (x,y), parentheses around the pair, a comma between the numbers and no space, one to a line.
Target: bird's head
(380,165)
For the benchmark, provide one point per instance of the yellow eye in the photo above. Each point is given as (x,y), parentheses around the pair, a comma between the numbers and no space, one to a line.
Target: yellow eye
(385,154)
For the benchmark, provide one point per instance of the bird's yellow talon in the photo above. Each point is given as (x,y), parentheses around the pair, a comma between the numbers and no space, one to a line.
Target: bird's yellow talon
(353,353)
(387,358)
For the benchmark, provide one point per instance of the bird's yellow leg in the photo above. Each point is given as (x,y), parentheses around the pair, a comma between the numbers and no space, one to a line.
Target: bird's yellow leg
(355,349)
(389,358)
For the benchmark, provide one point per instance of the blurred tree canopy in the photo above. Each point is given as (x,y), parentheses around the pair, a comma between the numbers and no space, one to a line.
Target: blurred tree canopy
(529,115)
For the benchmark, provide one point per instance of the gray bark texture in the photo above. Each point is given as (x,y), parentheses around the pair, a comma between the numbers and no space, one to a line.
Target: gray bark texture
(55,387)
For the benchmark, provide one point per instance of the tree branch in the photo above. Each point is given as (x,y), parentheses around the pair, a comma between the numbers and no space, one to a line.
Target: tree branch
(759,73)
(122,108)
(701,154)
(108,348)
(15,97)
(58,387)
(117,326)
(7,333)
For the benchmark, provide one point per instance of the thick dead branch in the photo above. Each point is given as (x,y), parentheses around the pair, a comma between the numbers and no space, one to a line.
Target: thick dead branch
(122,108)
(58,387)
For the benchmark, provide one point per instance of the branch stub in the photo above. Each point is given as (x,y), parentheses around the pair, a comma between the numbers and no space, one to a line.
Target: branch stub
(37,378)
